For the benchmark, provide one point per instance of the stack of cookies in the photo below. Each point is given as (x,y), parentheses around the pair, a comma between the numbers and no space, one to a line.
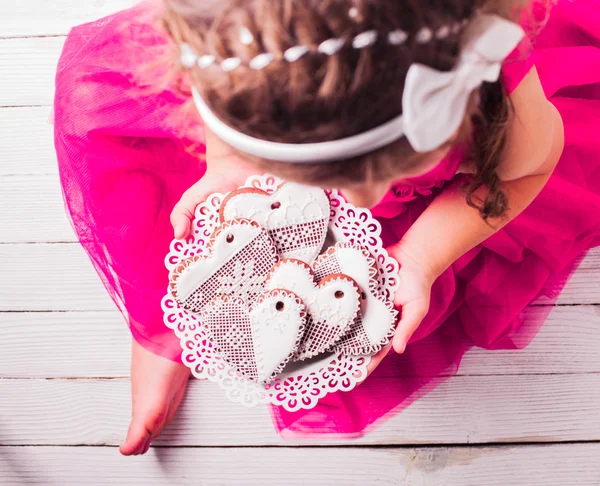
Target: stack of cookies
(269,291)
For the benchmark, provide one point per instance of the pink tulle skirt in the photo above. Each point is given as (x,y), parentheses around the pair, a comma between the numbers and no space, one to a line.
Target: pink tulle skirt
(127,149)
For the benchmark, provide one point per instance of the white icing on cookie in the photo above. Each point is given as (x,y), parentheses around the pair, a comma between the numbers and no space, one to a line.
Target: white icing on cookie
(374,326)
(239,258)
(222,252)
(290,204)
(295,215)
(278,321)
(257,342)
(375,313)
(332,304)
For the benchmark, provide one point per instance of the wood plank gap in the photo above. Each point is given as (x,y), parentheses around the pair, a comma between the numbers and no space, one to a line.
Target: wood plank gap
(28,174)
(39,36)
(39,243)
(592,304)
(460,445)
(458,374)
(81,378)
(25,106)
(337,445)
(20,106)
(56,311)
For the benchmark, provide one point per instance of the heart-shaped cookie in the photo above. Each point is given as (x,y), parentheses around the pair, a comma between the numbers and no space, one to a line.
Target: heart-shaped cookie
(257,341)
(332,304)
(295,216)
(375,323)
(240,256)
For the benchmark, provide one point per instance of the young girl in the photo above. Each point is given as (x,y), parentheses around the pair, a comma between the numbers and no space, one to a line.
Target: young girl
(475,149)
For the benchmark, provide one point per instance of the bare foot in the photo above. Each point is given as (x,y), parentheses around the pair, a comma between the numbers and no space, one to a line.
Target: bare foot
(157,387)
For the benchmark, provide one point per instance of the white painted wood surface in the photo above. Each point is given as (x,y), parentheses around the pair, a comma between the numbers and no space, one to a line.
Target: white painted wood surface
(27,141)
(548,465)
(50,277)
(27,69)
(64,351)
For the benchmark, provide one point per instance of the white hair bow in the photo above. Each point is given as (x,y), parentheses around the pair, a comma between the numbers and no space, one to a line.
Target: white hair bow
(434,103)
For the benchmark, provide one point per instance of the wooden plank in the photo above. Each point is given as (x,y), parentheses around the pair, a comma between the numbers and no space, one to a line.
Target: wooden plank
(60,277)
(28,67)
(49,277)
(98,342)
(40,18)
(97,412)
(584,286)
(32,210)
(464,409)
(568,342)
(548,465)
(27,141)
(64,344)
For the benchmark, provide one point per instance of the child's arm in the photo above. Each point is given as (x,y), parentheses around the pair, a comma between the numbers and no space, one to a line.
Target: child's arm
(449,228)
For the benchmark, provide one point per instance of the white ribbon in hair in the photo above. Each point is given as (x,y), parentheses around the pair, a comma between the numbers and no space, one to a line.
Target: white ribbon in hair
(433,103)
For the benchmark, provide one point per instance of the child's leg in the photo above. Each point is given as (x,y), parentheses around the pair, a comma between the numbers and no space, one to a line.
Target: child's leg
(157,387)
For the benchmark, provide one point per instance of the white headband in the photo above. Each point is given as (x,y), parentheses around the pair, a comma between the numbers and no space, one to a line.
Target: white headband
(433,103)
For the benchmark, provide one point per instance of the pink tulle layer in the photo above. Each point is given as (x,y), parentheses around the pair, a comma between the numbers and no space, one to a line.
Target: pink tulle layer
(124,157)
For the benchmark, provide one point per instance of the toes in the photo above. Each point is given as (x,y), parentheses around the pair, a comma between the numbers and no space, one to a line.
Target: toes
(132,446)
(144,427)
(147,446)
(158,386)
(137,435)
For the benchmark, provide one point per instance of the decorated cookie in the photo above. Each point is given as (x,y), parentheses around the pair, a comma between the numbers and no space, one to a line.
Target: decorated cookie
(332,304)
(296,216)
(240,256)
(257,341)
(375,323)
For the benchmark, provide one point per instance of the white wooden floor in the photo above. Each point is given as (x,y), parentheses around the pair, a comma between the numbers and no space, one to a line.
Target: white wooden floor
(508,418)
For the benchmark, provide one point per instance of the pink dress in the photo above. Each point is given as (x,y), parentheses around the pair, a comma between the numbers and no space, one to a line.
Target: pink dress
(124,154)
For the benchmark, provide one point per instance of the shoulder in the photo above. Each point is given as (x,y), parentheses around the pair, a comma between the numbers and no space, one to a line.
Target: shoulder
(535,131)
(518,64)
(108,51)
(100,40)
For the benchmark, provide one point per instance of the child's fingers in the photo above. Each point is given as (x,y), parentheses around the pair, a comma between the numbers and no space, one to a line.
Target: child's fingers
(412,315)
(378,358)
(181,225)
(183,212)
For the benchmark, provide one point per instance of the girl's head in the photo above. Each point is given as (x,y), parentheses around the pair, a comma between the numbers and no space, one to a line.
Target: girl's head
(323,97)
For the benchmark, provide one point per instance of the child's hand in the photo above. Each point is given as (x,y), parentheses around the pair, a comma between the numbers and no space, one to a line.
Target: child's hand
(412,297)
(183,212)
(376,359)
(225,172)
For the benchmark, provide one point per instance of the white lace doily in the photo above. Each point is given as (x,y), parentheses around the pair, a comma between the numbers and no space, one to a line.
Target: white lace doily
(302,384)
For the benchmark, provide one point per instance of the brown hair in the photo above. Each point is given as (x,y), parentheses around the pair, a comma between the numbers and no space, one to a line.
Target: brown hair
(319,98)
